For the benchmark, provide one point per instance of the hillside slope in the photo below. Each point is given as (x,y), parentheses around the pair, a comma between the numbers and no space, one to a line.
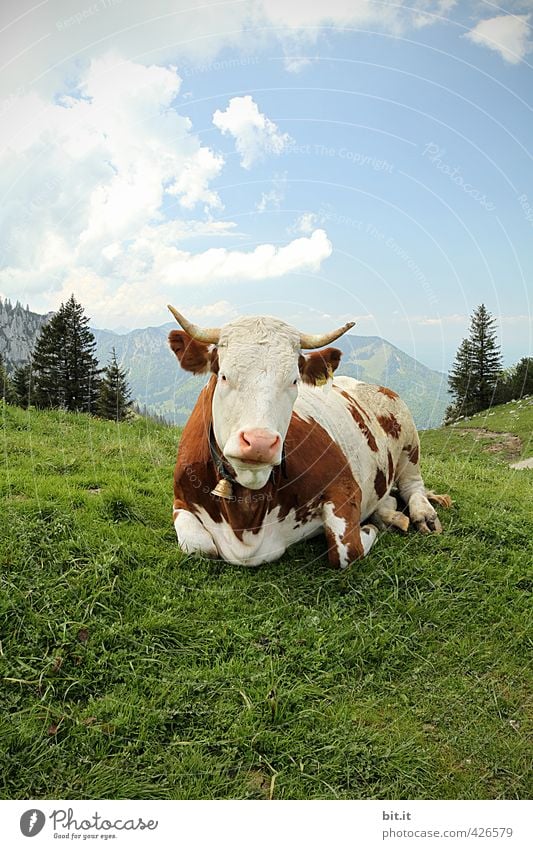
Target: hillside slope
(132,671)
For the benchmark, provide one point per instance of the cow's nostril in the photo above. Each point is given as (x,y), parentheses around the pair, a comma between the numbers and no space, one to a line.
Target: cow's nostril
(245,439)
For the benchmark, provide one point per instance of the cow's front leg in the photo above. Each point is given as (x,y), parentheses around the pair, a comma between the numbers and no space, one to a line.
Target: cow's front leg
(347,539)
(193,538)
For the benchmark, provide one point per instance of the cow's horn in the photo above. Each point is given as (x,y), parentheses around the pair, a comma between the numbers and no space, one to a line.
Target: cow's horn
(318,340)
(210,335)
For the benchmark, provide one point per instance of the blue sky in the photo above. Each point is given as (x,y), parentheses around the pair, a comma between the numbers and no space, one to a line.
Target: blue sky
(316,161)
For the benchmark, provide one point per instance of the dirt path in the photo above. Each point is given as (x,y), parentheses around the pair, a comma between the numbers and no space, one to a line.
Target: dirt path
(505,442)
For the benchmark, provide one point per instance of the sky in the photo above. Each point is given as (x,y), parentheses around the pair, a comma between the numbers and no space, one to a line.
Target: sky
(317,160)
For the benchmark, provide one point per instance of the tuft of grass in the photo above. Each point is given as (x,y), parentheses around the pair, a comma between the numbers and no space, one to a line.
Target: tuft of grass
(130,670)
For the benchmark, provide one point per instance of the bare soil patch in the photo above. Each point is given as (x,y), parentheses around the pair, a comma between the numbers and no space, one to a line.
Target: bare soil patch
(502,442)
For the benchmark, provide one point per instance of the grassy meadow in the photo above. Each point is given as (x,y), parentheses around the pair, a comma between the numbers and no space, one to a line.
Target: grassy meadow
(129,670)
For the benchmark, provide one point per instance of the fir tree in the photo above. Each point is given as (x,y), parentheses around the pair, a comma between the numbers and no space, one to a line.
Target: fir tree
(523,378)
(65,370)
(486,360)
(114,398)
(22,385)
(474,376)
(460,383)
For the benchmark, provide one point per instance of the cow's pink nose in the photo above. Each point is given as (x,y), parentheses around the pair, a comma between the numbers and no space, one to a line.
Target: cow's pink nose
(259,445)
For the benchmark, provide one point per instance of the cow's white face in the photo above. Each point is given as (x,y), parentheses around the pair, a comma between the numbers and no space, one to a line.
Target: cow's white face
(257,385)
(258,365)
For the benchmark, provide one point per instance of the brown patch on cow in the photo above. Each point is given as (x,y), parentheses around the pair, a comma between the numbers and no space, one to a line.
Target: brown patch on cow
(388,392)
(353,402)
(413,452)
(193,356)
(317,367)
(390,425)
(380,484)
(391,466)
(356,414)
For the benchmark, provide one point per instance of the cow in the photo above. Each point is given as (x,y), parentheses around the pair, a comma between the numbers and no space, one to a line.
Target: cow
(279,449)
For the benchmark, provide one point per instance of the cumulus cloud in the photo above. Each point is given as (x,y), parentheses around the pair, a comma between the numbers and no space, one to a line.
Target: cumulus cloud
(509,35)
(91,169)
(265,262)
(255,135)
(154,264)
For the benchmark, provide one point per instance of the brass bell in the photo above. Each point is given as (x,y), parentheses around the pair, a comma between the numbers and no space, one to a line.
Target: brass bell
(223,489)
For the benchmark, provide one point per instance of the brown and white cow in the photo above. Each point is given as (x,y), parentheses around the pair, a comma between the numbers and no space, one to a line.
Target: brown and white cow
(300,452)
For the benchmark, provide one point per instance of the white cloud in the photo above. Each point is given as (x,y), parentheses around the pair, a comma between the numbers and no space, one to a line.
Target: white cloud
(296,64)
(54,40)
(255,135)
(134,286)
(94,168)
(97,179)
(84,174)
(192,183)
(275,196)
(305,223)
(304,15)
(173,266)
(509,35)
(432,321)
(515,319)
(220,309)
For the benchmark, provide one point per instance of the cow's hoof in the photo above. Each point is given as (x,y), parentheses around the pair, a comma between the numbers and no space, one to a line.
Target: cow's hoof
(441,500)
(397,520)
(429,525)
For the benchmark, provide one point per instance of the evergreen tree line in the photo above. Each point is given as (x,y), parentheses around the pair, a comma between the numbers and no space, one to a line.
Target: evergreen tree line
(477,380)
(64,373)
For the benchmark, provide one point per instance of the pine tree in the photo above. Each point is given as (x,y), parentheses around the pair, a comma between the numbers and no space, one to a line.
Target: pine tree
(523,378)
(114,398)
(22,385)
(486,360)
(460,384)
(65,370)
(474,376)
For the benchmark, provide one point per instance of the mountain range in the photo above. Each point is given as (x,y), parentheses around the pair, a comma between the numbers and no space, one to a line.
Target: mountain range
(162,388)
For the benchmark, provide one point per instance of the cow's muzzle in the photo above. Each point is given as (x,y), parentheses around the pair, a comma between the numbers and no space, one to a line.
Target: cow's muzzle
(258,445)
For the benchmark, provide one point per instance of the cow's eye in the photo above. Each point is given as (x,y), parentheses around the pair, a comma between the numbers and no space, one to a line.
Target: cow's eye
(223,378)
(295,382)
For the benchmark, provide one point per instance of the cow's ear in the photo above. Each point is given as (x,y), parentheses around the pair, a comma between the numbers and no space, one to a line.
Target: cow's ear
(317,367)
(192,355)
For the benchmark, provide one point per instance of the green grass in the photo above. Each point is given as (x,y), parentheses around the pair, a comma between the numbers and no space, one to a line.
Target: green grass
(128,670)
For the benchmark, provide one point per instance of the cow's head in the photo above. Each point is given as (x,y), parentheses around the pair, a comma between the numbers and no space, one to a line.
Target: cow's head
(258,365)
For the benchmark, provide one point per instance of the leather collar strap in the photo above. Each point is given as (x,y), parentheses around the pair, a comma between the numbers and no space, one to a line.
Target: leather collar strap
(219,460)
